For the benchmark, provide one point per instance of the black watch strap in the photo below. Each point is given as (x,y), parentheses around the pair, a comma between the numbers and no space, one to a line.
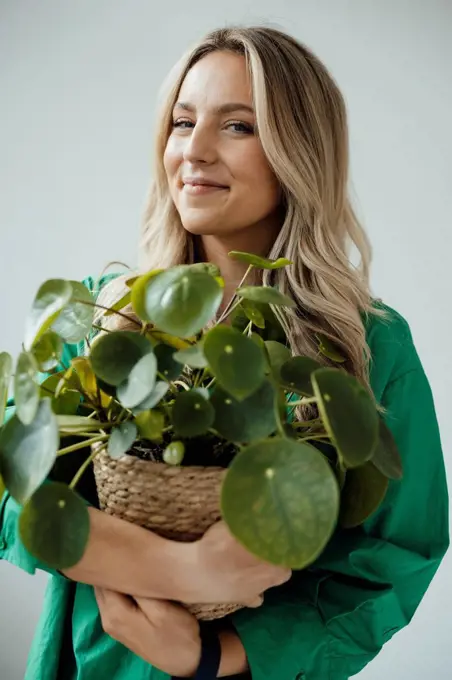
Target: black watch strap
(210,655)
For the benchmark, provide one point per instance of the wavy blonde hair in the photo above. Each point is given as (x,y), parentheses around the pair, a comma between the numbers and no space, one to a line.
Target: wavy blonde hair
(302,125)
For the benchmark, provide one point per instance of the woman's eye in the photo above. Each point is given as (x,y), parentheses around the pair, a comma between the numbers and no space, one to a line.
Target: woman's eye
(183,124)
(242,128)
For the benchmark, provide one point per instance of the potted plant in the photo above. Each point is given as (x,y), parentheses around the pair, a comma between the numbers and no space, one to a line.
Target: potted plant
(189,419)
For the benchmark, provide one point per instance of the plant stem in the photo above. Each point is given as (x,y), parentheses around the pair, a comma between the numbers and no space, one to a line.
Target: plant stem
(83,467)
(306,423)
(303,402)
(96,305)
(82,445)
(232,304)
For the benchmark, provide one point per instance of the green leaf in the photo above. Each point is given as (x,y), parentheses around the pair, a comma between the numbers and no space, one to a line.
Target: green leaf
(50,299)
(329,349)
(2,488)
(140,382)
(364,490)
(235,360)
(259,262)
(69,424)
(174,453)
(67,400)
(296,375)
(267,294)
(386,457)
(253,313)
(178,301)
(167,365)
(278,354)
(192,415)
(26,387)
(192,356)
(150,425)
(54,526)
(120,304)
(6,369)
(74,321)
(348,413)
(115,354)
(247,420)
(121,439)
(205,267)
(28,452)
(280,499)
(157,394)
(47,351)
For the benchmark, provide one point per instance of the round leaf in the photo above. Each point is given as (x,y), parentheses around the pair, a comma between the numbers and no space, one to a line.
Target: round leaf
(329,349)
(236,361)
(192,356)
(74,321)
(266,294)
(192,415)
(259,262)
(47,351)
(6,369)
(364,490)
(386,457)
(140,383)
(174,453)
(115,354)
(280,499)
(178,301)
(206,267)
(26,387)
(121,439)
(54,526)
(166,363)
(66,402)
(150,425)
(28,452)
(348,413)
(157,394)
(252,313)
(50,299)
(248,420)
(278,354)
(296,375)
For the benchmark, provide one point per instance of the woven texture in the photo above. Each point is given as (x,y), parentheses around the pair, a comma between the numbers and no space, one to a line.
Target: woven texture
(179,503)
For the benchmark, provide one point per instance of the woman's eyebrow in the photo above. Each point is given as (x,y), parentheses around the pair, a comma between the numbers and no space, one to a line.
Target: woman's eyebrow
(230,107)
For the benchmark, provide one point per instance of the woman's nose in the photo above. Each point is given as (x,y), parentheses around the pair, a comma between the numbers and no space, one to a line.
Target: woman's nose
(200,146)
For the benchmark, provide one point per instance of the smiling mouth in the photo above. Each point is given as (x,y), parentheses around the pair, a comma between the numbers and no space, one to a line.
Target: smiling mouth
(201,189)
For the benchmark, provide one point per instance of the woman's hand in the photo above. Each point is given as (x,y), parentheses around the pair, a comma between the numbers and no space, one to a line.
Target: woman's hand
(224,571)
(162,633)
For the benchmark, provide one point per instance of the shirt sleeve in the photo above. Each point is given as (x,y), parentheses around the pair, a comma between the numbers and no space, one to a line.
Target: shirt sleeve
(329,621)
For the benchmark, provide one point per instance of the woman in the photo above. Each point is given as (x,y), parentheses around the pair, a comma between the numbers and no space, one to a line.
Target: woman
(252,155)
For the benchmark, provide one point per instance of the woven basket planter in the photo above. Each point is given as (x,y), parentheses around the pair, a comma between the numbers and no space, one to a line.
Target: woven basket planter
(179,503)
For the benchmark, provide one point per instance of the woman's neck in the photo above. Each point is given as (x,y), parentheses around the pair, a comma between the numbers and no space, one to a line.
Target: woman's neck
(216,249)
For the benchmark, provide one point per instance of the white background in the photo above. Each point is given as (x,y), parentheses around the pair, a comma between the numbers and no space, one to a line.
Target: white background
(78,83)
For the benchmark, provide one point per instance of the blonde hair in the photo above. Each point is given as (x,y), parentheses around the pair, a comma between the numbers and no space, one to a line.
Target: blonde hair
(302,125)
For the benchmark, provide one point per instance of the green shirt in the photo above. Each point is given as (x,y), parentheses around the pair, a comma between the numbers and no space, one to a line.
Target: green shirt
(330,620)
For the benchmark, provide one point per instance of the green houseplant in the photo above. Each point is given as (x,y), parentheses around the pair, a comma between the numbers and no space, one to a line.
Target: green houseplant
(188,390)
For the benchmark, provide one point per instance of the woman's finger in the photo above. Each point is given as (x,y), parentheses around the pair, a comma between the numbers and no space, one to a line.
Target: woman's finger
(256,602)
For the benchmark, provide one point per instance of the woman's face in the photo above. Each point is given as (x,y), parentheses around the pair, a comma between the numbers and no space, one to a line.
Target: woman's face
(218,175)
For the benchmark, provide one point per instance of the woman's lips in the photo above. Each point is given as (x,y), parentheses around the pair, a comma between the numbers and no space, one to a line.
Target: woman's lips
(202,189)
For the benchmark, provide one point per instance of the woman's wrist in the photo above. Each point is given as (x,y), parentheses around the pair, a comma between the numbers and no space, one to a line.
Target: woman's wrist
(233,656)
